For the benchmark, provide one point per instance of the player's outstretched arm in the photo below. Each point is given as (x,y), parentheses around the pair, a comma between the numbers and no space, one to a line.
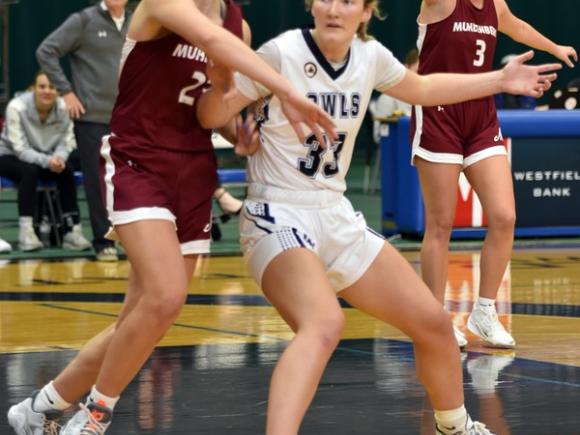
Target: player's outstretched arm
(524,33)
(184,18)
(438,89)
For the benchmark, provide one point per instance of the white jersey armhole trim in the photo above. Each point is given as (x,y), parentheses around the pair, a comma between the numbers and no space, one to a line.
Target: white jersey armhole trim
(128,47)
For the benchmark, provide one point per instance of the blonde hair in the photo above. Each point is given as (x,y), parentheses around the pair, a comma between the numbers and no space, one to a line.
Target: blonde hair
(363,30)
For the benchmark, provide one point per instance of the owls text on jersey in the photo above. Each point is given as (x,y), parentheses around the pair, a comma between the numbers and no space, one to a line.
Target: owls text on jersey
(343,92)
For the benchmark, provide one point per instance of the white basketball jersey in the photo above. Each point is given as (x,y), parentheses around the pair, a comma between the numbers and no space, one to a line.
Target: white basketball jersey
(344,93)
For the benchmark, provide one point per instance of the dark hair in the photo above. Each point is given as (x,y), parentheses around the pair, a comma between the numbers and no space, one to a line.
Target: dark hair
(412,57)
(38,74)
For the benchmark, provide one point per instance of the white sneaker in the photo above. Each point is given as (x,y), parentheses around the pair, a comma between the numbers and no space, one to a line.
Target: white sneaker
(483,322)
(471,428)
(92,419)
(108,254)
(74,240)
(459,337)
(28,240)
(485,370)
(26,421)
(5,246)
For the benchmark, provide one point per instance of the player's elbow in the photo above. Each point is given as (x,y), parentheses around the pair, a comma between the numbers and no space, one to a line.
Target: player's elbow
(208,117)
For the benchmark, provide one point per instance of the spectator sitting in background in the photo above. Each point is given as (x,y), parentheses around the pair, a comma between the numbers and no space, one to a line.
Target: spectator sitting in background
(509,101)
(92,40)
(386,106)
(36,141)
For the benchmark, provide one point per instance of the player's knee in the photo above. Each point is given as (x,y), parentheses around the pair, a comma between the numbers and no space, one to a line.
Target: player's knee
(163,308)
(439,226)
(436,328)
(327,331)
(502,220)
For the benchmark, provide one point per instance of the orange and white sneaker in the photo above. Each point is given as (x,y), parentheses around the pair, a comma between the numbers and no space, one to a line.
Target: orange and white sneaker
(92,419)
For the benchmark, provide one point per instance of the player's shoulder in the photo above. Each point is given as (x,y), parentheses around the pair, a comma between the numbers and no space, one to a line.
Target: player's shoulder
(369,52)
(287,37)
(371,46)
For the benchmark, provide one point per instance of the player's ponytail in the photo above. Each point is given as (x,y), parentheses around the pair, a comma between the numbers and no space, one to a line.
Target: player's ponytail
(363,30)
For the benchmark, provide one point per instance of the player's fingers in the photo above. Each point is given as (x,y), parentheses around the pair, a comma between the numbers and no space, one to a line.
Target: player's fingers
(524,57)
(568,62)
(327,124)
(297,127)
(239,120)
(549,67)
(318,133)
(547,78)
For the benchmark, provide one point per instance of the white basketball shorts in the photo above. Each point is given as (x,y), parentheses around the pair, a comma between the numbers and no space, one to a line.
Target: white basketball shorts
(275,220)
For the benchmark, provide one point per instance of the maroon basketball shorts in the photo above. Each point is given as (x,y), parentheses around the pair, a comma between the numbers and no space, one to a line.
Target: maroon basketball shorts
(145,183)
(461,134)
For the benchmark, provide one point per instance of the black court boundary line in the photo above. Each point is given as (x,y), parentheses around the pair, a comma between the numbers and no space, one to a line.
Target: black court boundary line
(179,325)
(517,308)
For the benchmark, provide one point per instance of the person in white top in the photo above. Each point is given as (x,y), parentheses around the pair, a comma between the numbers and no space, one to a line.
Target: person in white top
(161,264)
(35,144)
(302,239)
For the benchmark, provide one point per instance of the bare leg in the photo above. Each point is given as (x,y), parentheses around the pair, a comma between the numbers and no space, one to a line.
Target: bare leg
(81,373)
(392,292)
(492,180)
(161,276)
(439,187)
(296,284)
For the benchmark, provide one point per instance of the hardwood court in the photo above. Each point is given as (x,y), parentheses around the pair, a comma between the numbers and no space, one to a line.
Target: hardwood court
(210,375)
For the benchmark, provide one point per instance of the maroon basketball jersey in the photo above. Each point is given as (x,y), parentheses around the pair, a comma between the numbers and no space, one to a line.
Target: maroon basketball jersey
(160,83)
(464,42)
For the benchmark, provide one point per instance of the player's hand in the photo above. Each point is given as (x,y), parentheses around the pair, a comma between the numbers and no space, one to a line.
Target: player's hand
(248,138)
(300,110)
(530,80)
(566,54)
(73,105)
(56,164)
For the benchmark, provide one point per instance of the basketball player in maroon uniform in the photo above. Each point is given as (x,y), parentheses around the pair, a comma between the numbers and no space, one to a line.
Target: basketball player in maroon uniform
(460,36)
(159,174)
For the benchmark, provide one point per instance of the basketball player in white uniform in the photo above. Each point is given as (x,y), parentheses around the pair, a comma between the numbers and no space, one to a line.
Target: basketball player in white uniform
(302,239)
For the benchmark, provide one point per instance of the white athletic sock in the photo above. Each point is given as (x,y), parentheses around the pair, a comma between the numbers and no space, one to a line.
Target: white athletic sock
(101,399)
(485,302)
(25,222)
(48,399)
(451,421)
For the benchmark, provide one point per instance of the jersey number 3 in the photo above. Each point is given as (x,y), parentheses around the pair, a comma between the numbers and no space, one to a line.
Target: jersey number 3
(310,165)
(480,52)
(199,79)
